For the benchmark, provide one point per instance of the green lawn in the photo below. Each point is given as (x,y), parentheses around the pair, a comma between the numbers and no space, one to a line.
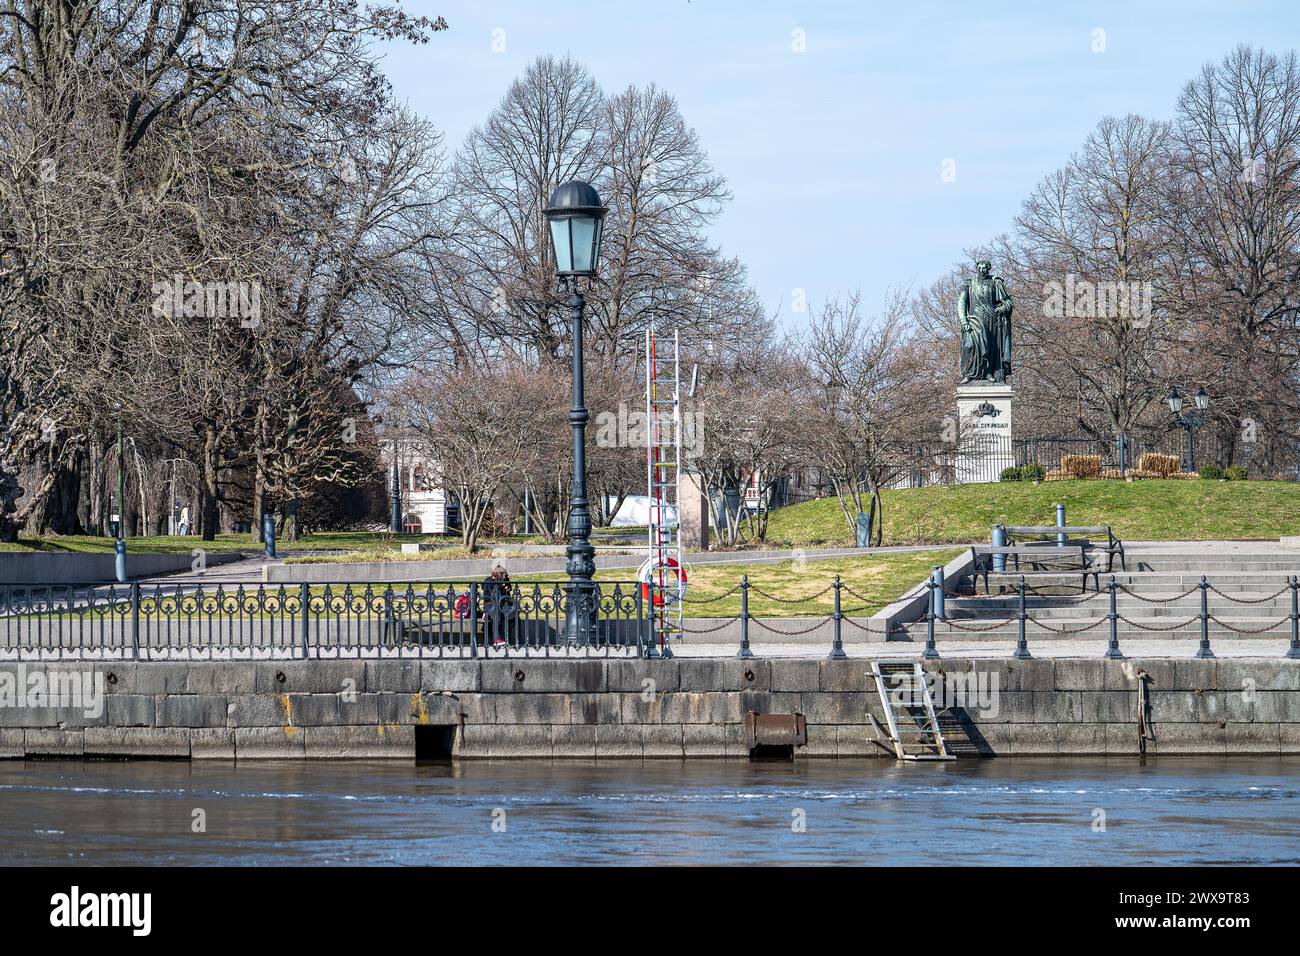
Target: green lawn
(1142,510)
(795,588)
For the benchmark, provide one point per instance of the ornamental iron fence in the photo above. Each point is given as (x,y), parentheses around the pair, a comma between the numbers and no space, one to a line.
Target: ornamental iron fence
(216,620)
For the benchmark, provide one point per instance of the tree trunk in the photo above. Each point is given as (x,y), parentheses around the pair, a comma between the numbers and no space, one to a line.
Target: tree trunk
(259,474)
(57,514)
(878,510)
(10,491)
(209,487)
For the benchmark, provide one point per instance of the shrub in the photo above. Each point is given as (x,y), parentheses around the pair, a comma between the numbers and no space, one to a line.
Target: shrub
(1112,473)
(1161,466)
(1032,472)
(1056,474)
(1184,475)
(1210,472)
(1081,466)
(1235,473)
(1010,474)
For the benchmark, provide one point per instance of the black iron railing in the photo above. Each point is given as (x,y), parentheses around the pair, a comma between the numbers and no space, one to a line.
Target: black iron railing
(322,620)
(1286,624)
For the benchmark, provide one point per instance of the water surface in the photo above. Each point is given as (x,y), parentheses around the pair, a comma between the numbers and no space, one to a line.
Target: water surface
(1009,811)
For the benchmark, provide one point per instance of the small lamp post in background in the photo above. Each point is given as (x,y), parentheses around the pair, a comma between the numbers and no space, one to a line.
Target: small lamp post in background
(119,545)
(396,493)
(1191,421)
(576,220)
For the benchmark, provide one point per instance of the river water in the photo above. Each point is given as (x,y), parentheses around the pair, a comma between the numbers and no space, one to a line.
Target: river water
(1010,811)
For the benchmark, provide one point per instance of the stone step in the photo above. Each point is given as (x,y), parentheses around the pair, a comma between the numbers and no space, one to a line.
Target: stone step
(1262,612)
(1068,582)
(999,604)
(1190,566)
(1068,629)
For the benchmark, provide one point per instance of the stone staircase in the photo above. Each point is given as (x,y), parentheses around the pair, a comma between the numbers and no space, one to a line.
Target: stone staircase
(1157,597)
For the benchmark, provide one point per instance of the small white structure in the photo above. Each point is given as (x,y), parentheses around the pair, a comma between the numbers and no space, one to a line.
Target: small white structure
(424,498)
(634,512)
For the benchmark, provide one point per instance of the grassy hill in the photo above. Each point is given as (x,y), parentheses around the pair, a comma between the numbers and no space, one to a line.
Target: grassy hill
(1140,510)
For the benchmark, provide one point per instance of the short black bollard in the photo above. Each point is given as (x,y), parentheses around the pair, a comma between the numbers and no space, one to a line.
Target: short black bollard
(1294,652)
(938,593)
(744,653)
(837,645)
(1113,652)
(1204,650)
(931,652)
(1022,646)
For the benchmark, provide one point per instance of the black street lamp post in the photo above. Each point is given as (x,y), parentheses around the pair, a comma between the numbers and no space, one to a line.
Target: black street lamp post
(576,218)
(1191,421)
(395,494)
(119,545)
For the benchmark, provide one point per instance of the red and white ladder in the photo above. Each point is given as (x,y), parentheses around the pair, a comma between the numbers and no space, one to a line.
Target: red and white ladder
(663,575)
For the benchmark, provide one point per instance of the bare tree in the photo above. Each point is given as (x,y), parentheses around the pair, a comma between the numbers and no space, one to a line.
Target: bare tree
(476,427)
(873,397)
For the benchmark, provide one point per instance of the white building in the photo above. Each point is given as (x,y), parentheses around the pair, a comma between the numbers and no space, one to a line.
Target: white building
(425,502)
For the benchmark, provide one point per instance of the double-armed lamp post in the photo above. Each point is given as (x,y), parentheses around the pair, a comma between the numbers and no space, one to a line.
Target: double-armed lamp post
(576,219)
(1190,422)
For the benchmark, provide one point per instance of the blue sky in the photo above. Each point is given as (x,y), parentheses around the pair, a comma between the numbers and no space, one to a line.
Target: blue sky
(835,155)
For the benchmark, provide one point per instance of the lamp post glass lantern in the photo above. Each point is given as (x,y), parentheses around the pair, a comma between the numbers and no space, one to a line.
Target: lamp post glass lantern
(576,220)
(1191,421)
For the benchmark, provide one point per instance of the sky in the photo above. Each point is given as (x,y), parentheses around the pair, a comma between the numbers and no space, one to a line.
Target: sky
(866,144)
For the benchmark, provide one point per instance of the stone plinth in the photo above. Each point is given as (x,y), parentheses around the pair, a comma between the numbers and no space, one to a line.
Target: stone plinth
(692,512)
(984,430)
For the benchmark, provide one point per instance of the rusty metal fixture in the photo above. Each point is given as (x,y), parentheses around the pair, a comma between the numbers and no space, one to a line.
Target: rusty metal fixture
(775,730)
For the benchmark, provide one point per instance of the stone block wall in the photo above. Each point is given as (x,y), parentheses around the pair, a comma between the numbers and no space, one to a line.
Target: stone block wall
(637,708)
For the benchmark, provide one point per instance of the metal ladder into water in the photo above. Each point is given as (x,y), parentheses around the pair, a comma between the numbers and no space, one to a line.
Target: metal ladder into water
(913,732)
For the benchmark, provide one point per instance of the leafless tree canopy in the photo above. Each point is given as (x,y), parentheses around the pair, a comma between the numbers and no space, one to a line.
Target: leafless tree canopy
(220,233)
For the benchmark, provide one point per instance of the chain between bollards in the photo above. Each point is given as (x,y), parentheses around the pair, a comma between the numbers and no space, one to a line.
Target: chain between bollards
(744,653)
(837,645)
(1113,652)
(931,652)
(1022,646)
(1204,650)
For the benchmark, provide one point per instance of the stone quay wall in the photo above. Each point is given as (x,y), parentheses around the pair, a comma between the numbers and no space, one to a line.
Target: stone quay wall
(544,708)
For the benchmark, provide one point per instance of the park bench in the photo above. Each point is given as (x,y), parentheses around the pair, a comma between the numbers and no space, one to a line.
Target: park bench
(1112,547)
(982,557)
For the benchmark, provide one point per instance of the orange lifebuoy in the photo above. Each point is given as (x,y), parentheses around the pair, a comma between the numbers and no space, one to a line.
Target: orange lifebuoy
(649,568)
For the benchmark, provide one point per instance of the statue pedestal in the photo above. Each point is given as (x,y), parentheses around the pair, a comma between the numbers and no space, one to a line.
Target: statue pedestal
(984,431)
(692,511)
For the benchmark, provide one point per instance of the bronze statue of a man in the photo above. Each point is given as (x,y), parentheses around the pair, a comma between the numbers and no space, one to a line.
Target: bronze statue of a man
(984,315)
